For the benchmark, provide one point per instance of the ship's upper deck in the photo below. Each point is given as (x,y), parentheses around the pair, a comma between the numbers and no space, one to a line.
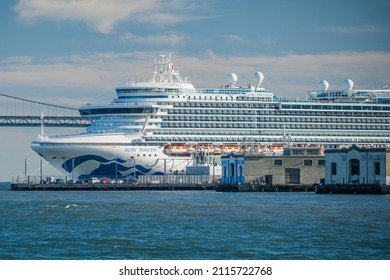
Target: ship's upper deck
(166,80)
(349,94)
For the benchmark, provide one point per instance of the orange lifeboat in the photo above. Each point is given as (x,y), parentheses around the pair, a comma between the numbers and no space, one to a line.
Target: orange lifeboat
(229,148)
(276,148)
(176,149)
(206,148)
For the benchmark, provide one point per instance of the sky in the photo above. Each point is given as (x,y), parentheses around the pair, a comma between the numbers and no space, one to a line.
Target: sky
(76,51)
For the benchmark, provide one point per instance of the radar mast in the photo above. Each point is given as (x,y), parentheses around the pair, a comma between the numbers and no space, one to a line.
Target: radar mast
(164,71)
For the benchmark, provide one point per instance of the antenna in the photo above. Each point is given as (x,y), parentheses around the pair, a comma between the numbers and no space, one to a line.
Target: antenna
(43,135)
(164,72)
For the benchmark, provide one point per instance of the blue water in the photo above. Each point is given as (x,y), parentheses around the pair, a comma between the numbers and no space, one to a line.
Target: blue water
(193,225)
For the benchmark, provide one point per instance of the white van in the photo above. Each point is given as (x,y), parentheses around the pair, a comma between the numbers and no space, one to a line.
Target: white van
(93,180)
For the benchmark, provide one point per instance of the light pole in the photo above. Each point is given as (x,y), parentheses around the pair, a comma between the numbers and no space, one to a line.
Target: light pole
(73,170)
(25,168)
(213,168)
(133,158)
(40,171)
(116,169)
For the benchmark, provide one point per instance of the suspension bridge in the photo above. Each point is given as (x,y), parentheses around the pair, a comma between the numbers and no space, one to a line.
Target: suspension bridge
(22,112)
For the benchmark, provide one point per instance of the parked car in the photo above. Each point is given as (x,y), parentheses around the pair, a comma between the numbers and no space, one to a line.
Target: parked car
(60,181)
(81,182)
(132,181)
(93,180)
(118,181)
(105,181)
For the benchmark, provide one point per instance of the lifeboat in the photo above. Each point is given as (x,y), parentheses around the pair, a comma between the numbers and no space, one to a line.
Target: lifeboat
(276,148)
(229,148)
(176,149)
(206,148)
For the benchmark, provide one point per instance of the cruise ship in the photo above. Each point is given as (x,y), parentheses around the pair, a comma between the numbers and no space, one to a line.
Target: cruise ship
(166,124)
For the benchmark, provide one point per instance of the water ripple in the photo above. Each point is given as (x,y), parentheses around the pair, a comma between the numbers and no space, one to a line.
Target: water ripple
(192,225)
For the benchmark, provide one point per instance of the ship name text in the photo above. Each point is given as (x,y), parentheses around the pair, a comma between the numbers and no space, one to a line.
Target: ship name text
(140,150)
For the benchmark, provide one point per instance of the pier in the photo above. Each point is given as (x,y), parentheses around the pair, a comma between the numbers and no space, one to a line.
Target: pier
(352,189)
(152,186)
(265,188)
(111,187)
(143,183)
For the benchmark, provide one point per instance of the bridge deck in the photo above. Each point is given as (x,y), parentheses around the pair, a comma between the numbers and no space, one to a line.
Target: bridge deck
(48,121)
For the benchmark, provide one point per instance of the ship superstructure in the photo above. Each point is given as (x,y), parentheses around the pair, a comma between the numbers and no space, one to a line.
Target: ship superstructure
(160,126)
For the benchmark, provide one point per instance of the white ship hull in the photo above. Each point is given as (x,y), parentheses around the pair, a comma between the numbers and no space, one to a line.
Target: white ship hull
(107,156)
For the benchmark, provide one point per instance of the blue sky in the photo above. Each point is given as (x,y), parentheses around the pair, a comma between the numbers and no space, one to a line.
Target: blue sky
(81,47)
(48,28)
(72,51)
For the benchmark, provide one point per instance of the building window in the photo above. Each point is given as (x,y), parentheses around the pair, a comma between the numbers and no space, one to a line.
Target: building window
(308,162)
(333,168)
(321,162)
(232,167)
(355,167)
(377,168)
(278,162)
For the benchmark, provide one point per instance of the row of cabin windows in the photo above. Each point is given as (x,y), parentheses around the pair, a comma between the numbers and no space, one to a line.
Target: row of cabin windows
(273,109)
(336,107)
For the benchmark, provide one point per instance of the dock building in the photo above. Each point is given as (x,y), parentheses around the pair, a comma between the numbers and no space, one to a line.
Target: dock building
(293,166)
(357,165)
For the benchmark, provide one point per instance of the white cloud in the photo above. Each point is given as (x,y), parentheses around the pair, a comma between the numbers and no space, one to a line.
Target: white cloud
(170,39)
(102,15)
(357,29)
(208,54)
(16,59)
(291,75)
(233,38)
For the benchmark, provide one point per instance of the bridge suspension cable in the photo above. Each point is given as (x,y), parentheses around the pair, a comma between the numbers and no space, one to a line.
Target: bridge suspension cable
(38,102)
(48,121)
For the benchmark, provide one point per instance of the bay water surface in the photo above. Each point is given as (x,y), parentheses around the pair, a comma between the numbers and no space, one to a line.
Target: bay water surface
(85,225)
